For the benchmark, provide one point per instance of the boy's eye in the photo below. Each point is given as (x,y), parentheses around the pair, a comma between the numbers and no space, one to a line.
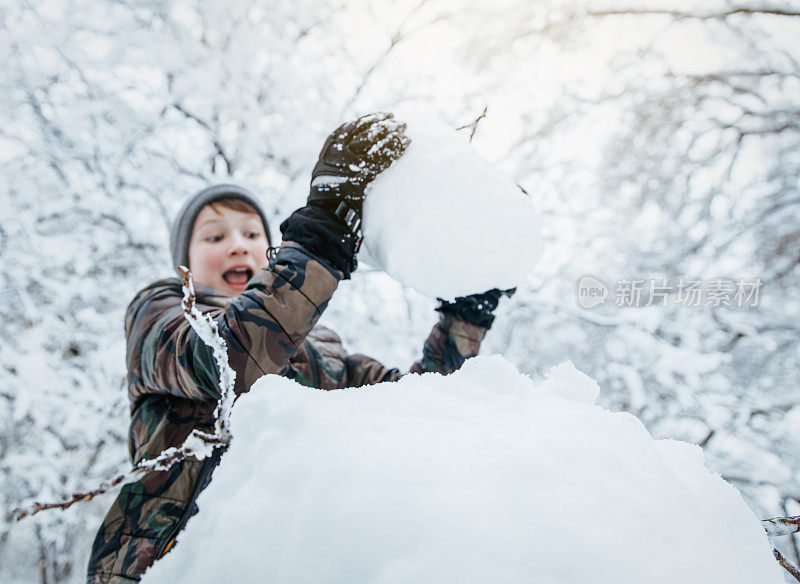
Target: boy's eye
(214,238)
(253,234)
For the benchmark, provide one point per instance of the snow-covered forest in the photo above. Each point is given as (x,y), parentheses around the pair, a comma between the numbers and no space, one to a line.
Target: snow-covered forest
(660,142)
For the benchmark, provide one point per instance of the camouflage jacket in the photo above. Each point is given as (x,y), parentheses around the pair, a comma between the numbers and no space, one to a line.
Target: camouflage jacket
(173,387)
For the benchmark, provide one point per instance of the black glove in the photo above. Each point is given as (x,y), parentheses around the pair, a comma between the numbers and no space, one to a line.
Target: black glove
(476,308)
(323,234)
(353,155)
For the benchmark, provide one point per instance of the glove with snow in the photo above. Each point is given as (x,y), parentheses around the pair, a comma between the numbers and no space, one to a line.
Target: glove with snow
(329,226)
(476,308)
(353,155)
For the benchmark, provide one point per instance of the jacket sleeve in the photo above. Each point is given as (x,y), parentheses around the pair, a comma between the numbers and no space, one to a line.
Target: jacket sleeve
(451,342)
(262,327)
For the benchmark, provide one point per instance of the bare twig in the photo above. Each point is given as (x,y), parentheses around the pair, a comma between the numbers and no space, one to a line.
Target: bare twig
(221,153)
(681,15)
(787,565)
(474,124)
(792,537)
(187,114)
(704,442)
(778,526)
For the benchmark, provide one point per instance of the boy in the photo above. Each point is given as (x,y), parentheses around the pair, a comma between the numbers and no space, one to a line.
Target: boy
(266,312)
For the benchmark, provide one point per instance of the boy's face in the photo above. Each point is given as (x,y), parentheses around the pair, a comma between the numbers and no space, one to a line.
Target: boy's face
(226,248)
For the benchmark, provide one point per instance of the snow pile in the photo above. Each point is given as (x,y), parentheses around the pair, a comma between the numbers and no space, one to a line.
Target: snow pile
(475,477)
(442,220)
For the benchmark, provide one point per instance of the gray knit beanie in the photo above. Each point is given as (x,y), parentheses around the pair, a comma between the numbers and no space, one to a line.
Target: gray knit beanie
(181,232)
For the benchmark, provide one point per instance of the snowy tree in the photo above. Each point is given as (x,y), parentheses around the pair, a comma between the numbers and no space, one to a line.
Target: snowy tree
(658,143)
(112,113)
(690,133)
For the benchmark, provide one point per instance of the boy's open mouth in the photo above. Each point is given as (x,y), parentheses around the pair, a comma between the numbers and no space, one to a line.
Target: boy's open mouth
(238,277)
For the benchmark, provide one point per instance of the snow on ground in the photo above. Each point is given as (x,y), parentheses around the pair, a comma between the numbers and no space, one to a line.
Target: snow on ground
(479,476)
(442,220)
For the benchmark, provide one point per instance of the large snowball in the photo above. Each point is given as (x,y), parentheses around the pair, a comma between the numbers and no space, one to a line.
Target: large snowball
(443,220)
(475,477)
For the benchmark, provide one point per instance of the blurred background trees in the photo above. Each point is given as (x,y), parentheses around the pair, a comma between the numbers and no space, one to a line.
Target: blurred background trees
(659,141)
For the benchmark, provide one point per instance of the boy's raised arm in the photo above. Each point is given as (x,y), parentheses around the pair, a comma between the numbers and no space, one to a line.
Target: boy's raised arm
(264,325)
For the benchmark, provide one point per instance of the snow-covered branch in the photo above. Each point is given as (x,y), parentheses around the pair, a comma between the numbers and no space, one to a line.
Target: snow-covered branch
(198,444)
(206,329)
(778,526)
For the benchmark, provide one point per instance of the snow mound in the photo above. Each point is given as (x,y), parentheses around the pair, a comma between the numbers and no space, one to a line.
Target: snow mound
(567,382)
(479,476)
(442,220)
